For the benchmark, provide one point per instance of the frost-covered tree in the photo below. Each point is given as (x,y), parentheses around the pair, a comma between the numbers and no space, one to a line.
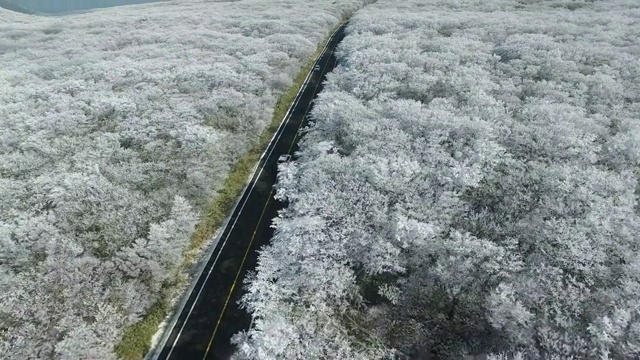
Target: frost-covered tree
(116,127)
(470,184)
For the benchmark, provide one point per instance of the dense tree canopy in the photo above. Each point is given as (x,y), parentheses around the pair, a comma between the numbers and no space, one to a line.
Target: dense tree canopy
(115,128)
(469,184)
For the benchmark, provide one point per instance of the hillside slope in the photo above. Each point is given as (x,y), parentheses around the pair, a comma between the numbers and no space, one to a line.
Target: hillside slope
(116,128)
(4,4)
(66,6)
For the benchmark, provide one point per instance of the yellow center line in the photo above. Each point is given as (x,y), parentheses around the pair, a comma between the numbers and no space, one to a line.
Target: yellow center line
(255,231)
(235,281)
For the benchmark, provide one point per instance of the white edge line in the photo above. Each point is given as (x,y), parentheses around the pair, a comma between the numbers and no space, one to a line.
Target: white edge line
(155,353)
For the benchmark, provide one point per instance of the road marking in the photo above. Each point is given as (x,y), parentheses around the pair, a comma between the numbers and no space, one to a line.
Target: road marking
(235,281)
(287,117)
(255,231)
(215,261)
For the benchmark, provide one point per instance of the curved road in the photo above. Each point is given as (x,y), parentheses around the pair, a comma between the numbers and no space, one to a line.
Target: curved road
(209,316)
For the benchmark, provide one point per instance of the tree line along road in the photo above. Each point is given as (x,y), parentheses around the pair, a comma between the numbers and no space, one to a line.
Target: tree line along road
(209,315)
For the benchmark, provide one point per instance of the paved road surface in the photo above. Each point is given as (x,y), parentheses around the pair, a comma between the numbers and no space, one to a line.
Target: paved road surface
(211,315)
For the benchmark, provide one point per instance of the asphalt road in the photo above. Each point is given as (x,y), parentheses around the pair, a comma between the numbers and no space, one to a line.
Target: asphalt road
(210,315)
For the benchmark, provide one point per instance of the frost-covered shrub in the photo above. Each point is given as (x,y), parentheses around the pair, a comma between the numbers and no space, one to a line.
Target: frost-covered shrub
(470,185)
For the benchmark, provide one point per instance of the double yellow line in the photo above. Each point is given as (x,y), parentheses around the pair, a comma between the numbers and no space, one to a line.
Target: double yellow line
(255,231)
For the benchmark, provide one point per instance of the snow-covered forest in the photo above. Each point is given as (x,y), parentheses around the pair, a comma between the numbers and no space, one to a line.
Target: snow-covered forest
(116,127)
(469,185)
